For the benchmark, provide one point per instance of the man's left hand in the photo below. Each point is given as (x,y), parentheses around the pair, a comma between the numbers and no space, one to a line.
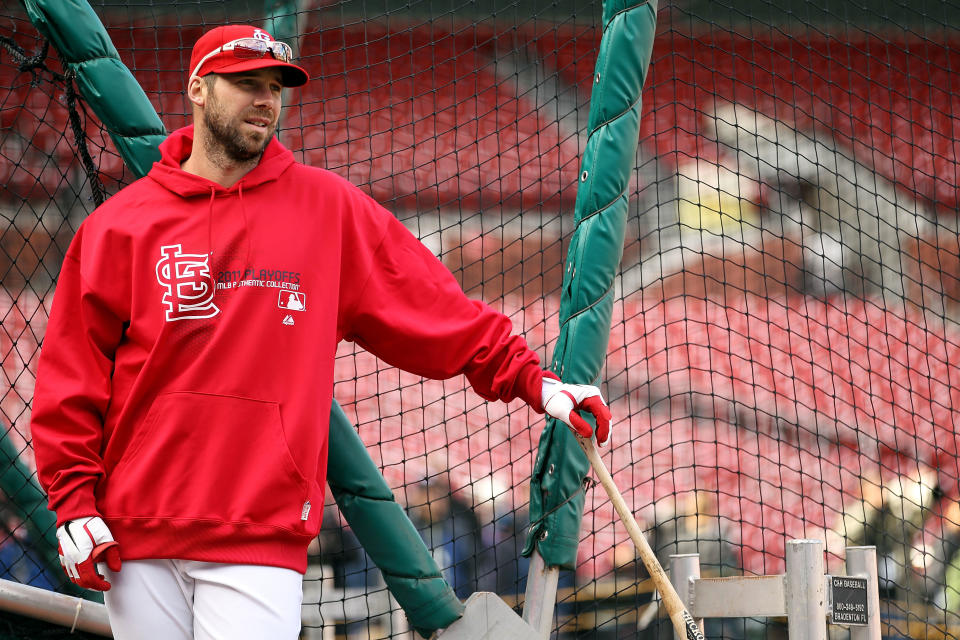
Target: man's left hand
(565,401)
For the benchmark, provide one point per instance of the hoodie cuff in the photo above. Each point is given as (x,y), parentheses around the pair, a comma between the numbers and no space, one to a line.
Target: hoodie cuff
(79,503)
(532,392)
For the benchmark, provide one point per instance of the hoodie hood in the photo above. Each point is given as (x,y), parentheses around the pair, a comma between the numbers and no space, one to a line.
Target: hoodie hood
(176,149)
(168,173)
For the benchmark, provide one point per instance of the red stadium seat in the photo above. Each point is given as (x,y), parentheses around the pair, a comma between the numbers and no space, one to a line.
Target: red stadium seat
(894,95)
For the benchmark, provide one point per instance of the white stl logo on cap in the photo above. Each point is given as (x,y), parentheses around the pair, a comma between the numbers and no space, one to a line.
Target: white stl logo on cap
(292,301)
(261,35)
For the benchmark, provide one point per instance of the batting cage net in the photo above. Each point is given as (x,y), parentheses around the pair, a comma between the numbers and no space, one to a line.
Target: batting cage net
(784,356)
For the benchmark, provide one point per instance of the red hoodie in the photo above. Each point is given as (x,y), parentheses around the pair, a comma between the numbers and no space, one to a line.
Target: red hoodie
(186,376)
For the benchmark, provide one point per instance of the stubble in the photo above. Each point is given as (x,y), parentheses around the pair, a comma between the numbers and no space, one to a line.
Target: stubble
(228,143)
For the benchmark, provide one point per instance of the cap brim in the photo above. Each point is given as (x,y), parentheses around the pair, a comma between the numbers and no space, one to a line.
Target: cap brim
(291,74)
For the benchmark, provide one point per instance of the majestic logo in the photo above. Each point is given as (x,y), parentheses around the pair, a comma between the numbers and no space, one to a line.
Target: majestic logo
(189,287)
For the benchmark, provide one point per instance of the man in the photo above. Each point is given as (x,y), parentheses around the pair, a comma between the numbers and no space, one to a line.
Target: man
(180,413)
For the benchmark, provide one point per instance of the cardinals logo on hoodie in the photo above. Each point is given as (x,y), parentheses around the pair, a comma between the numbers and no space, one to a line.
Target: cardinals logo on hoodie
(187,283)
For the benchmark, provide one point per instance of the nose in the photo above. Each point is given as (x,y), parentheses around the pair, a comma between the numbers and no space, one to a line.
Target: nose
(264,96)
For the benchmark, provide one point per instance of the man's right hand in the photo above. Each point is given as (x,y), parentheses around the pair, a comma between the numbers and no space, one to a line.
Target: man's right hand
(565,401)
(82,544)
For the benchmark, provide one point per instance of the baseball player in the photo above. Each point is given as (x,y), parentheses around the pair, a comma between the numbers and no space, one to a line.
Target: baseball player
(180,412)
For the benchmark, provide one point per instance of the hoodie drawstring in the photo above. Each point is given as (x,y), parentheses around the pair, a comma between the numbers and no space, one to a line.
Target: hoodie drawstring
(213,194)
(246,225)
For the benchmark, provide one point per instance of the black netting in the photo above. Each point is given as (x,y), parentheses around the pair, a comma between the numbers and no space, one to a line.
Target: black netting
(783,358)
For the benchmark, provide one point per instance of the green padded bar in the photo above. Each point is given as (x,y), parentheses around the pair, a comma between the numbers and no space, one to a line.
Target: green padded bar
(386,532)
(74,29)
(593,258)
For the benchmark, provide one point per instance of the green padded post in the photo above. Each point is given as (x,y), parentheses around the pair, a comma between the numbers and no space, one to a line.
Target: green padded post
(593,258)
(386,532)
(281,20)
(74,29)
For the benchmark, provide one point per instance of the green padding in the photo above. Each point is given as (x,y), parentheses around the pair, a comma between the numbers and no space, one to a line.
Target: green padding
(281,20)
(603,162)
(370,515)
(140,152)
(593,280)
(586,328)
(433,609)
(586,303)
(105,82)
(386,532)
(555,494)
(619,91)
(72,27)
(28,500)
(108,83)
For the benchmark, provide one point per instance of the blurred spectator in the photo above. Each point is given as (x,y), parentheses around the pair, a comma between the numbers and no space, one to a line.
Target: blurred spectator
(354,573)
(933,548)
(450,530)
(18,561)
(690,523)
(627,611)
(714,199)
(29,548)
(947,596)
(889,515)
(501,568)
(951,591)
(341,550)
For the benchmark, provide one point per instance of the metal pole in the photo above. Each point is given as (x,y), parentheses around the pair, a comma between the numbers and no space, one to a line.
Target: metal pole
(806,591)
(541,595)
(684,569)
(68,611)
(862,563)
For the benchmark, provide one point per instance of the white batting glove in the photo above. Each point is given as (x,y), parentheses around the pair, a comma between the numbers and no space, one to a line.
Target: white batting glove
(564,401)
(82,544)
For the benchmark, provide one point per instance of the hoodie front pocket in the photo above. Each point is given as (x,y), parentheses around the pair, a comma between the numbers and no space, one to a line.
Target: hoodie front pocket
(206,456)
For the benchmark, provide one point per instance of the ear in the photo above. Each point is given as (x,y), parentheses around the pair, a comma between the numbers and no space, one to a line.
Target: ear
(197,91)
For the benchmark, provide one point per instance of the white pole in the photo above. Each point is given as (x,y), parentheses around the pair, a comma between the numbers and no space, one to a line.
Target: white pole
(541,596)
(862,563)
(684,569)
(68,611)
(806,591)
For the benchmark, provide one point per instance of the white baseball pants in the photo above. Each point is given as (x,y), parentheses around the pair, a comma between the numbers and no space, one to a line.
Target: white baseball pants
(189,600)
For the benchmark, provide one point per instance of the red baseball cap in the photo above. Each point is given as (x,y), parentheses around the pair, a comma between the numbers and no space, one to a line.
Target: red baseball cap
(238,47)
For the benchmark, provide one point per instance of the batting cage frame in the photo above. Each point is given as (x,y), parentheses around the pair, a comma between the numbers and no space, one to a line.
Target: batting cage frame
(751,248)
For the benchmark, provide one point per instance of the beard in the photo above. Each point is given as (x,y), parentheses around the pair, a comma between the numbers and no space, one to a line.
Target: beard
(228,140)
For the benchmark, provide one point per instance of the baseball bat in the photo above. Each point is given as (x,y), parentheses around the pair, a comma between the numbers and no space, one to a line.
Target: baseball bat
(683,622)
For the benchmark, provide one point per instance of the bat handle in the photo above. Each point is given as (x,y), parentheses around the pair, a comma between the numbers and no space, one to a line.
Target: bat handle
(683,622)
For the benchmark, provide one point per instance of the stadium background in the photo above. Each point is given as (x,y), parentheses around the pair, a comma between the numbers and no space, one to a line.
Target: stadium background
(784,351)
